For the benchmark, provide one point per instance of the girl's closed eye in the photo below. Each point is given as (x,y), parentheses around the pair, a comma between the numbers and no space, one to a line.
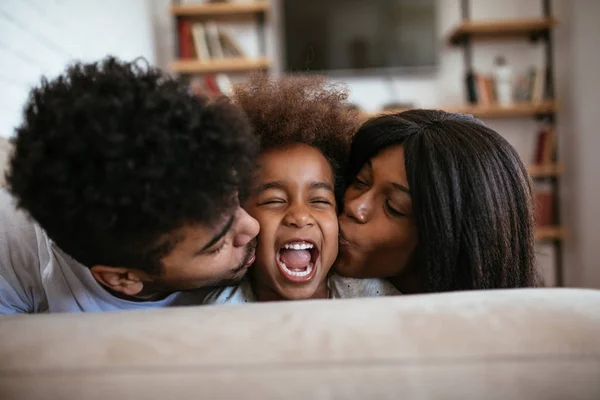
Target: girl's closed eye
(321,201)
(271,201)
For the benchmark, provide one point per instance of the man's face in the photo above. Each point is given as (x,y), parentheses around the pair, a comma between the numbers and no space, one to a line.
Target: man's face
(206,257)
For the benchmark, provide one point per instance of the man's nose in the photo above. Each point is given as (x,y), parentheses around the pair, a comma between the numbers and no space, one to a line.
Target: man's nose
(247,228)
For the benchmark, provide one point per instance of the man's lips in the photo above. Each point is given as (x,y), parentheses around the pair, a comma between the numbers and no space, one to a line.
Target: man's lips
(251,259)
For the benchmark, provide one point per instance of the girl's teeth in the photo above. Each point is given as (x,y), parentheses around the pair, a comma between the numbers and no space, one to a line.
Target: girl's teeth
(298,246)
(307,271)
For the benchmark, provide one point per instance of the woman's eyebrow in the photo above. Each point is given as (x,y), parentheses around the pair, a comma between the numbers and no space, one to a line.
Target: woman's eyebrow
(401,187)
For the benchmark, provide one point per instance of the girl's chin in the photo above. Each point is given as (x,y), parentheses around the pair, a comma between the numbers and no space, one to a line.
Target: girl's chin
(303,293)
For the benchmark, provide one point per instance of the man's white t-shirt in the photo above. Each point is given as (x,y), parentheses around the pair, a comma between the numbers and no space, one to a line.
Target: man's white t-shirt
(36,276)
(339,288)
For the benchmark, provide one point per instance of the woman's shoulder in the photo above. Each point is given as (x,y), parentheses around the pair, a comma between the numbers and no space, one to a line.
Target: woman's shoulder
(344,288)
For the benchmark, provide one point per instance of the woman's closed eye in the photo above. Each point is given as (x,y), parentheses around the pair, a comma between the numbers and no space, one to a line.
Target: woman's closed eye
(359,183)
(393,210)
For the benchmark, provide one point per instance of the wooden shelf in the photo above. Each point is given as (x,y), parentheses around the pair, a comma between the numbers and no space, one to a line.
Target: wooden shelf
(212,10)
(548,233)
(223,65)
(545,171)
(497,111)
(501,29)
(492,111)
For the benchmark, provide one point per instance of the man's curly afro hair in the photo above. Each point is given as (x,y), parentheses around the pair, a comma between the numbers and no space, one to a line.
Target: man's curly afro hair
(113,157)
(300,109)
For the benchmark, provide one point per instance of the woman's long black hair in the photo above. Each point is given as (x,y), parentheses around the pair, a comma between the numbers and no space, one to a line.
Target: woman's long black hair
(471,195)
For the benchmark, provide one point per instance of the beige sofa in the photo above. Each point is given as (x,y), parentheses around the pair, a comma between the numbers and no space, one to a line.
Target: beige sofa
(512,344)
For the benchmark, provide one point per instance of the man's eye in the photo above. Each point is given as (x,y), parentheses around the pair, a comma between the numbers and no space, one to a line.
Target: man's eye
(217,250)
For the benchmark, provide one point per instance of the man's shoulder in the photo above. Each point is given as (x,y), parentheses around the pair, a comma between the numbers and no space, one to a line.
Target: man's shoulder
(237,294)
(10,215)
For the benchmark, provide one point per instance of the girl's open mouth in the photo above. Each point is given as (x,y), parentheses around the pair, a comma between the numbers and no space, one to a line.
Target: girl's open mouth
(298,260)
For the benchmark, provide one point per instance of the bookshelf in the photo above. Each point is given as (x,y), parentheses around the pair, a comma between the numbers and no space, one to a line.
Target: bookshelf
(501,29)
(201,40)
(464,34)
(550,233)
(545,171)
(219,10)
(224,65)
(491,111)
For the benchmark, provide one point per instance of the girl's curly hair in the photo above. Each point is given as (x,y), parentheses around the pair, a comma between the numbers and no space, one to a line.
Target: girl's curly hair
(300,109)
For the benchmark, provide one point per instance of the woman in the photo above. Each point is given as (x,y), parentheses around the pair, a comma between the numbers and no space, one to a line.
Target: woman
(436,202)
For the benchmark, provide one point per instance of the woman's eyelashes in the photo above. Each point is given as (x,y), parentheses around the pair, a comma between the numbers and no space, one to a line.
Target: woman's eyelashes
(359,183)
(393,211)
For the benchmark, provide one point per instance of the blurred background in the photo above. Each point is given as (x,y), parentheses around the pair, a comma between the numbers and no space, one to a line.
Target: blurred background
(528,68)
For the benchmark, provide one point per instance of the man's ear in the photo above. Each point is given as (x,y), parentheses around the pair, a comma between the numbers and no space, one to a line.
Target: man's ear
(122,280)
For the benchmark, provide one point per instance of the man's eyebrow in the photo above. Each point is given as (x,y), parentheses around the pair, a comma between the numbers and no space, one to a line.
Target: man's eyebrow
(219,235)
(401,187)
(321,185)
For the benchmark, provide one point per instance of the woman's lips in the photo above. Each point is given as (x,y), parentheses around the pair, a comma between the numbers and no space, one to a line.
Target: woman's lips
(342,239)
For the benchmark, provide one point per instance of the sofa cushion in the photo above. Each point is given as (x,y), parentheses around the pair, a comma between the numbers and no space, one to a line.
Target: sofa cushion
(504,344)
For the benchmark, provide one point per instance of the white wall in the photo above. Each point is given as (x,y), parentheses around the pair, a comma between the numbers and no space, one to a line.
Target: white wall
(39,37)
(578,40)
(577,84)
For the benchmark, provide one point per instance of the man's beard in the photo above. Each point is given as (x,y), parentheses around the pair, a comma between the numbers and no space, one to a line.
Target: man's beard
(234,277)
(239,273)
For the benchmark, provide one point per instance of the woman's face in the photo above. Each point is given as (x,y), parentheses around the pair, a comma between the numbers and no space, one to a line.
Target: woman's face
(377,229)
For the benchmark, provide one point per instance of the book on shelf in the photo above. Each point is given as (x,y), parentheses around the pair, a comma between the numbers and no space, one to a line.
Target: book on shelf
(230,46)
(207,41)
(533,86)
(544,206)
(212,85)
(200,44)
(529,87)
(544,153)
(214,43)
(186,48)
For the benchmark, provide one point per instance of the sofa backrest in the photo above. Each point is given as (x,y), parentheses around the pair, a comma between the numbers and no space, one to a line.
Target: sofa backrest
(517,344)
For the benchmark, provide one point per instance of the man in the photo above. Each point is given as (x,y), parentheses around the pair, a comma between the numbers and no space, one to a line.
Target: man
(132,182)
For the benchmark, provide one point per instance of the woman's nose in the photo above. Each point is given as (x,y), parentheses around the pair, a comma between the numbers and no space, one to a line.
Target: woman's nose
(358,208)
(298,216)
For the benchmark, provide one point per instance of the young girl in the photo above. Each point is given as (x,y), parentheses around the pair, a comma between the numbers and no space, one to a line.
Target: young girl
(305,127)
